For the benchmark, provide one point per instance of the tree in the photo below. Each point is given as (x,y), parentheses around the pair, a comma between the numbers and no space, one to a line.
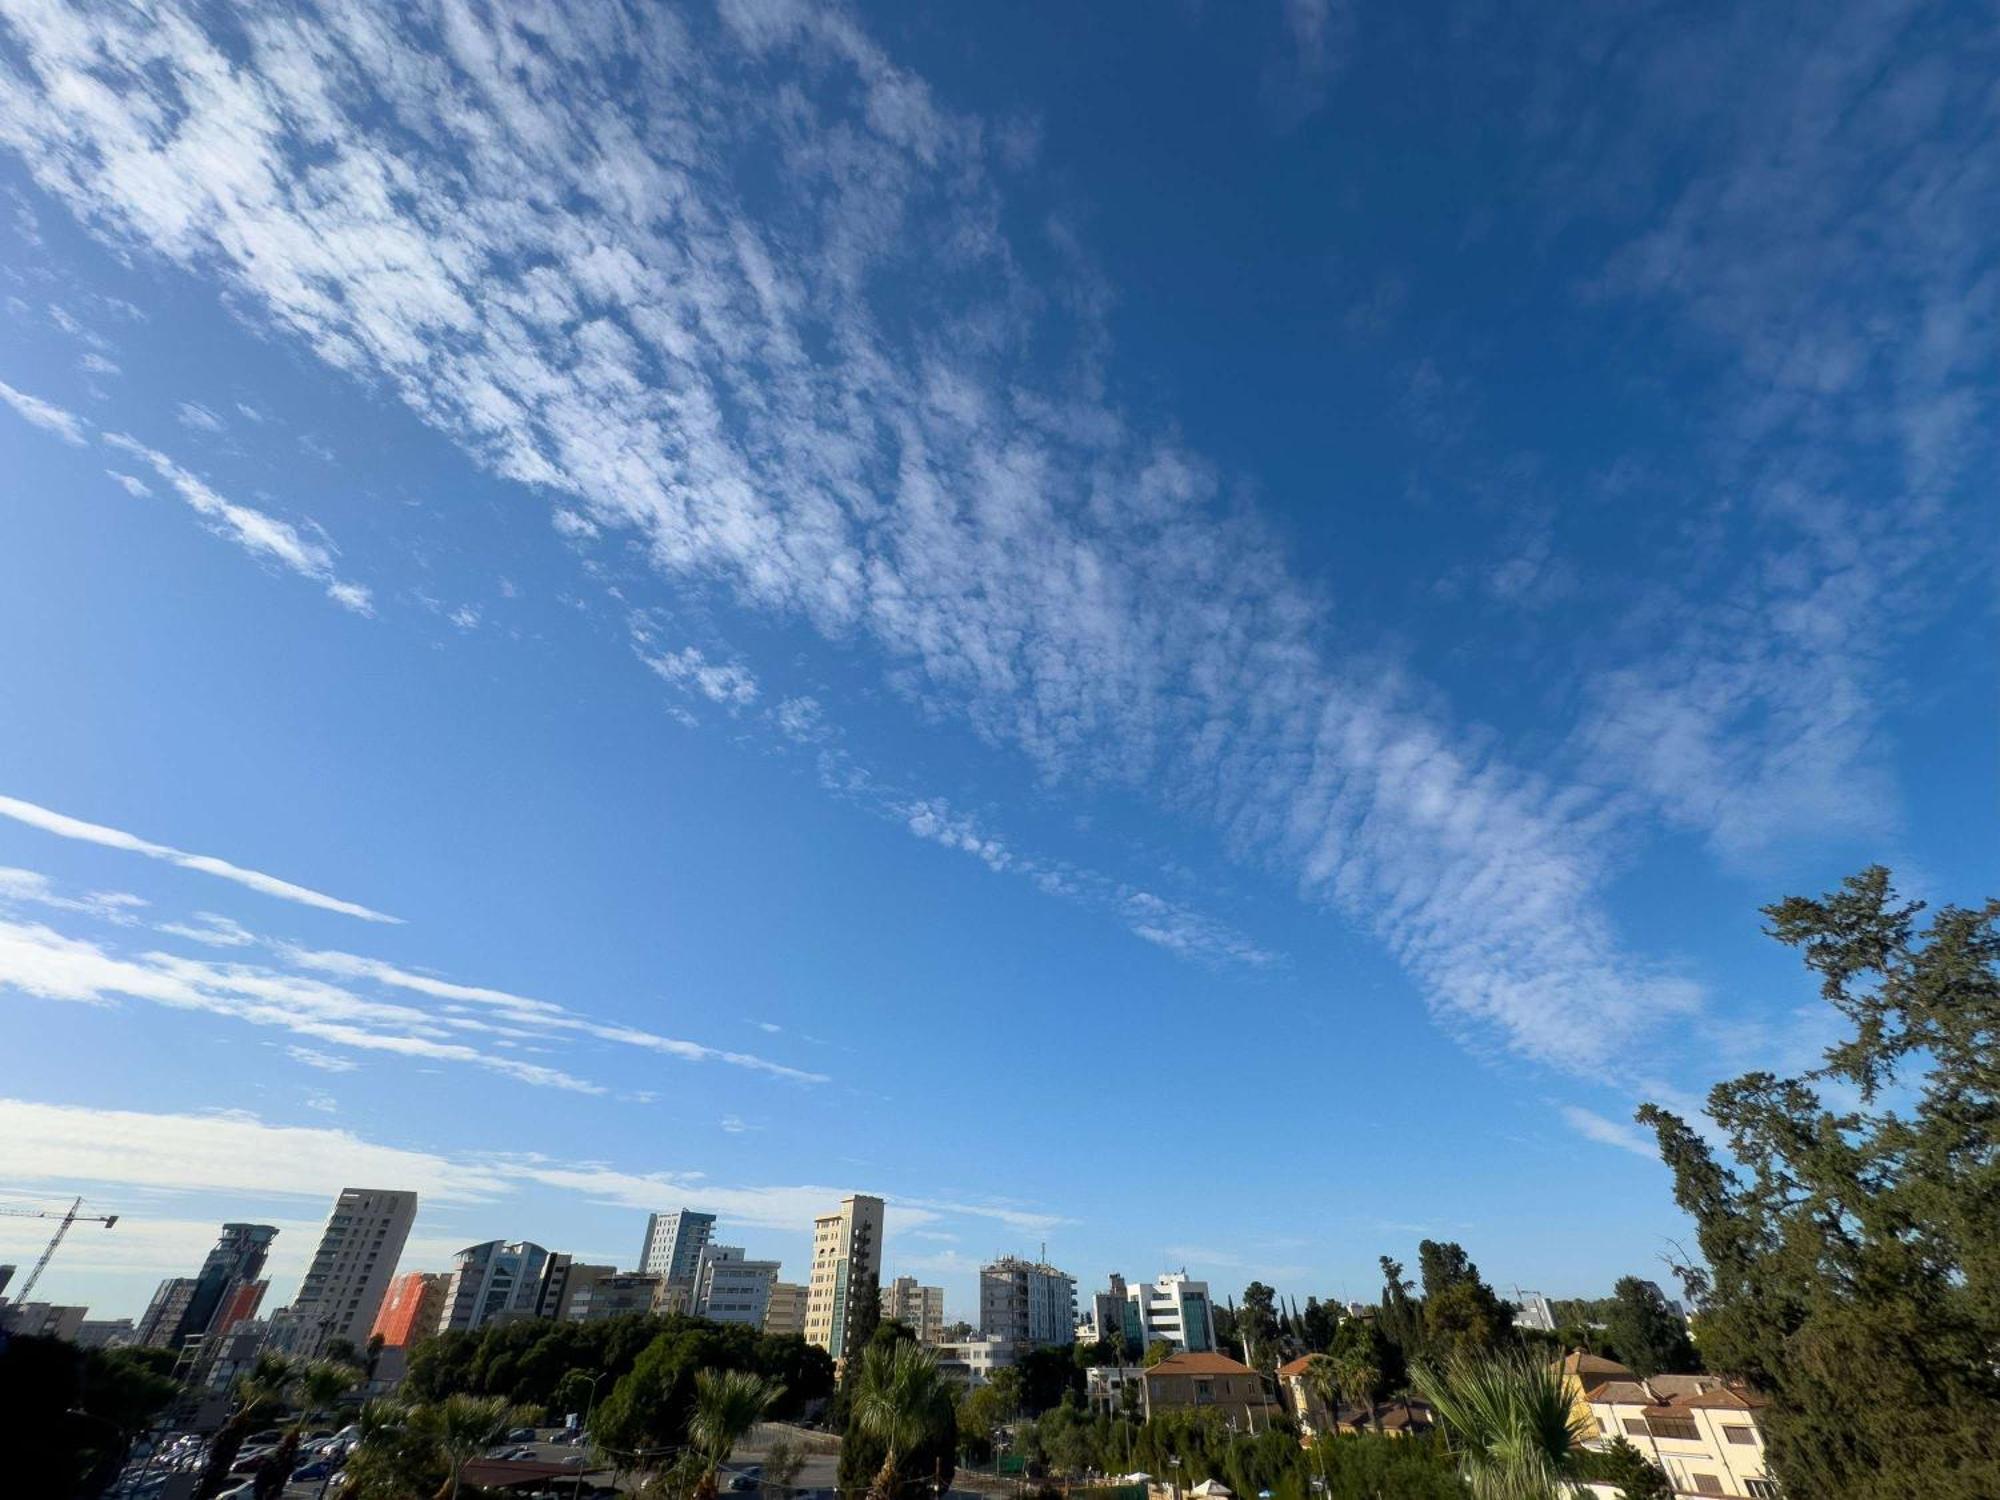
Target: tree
(1649,1336)
(1508,1422)
(902,1404)
(462,1427)
(314,1388)
(727,1405)
(1047,1374)
(782,1462)
(1462,1315)
(1853,1253)
(1637,1476)
(76,1410)
(394,1458)
(1318,1324)
(257,1394)
(1400,1318)
(1356,1362)
(1257,1326)
(1156,1351)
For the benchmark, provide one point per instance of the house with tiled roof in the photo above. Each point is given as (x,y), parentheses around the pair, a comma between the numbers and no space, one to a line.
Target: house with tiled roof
(1309,1409)
(1192,1382)
(1701,1430)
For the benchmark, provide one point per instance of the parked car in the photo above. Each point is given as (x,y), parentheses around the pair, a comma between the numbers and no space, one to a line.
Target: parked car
(521,1435)
(319,1468)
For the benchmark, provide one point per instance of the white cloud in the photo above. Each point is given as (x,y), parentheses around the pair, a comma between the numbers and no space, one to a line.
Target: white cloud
(17,886)
(97,364)
(326,1062)
(1594,1127)
(255,531)
(64,826)
(137,488)
(32,409)
(720,682)
(212,929)
(193,415)
(65,1144)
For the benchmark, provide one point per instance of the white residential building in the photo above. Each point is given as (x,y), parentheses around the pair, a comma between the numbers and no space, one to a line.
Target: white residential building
(492,1280)
(674,1243)
(1027,1302)
(1173,1308)
(971,1362)
(730,1289)
(350,1270)
(1697,1428)
(847,1258)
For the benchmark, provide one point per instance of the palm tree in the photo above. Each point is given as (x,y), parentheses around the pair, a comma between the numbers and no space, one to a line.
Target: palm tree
(462,1427)
(727,1404)
(256,1393)
(1508,1422)
(314,1390)
(1323,1376)
(901,1401)
(1357,1373)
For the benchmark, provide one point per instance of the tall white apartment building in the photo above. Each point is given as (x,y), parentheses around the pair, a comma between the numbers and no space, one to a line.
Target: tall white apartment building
(491,1280)
(1025,1302)
(1175,1309)
(350,1270)
(847,1257)
(918,1308)
(674,1243)
(730,1289)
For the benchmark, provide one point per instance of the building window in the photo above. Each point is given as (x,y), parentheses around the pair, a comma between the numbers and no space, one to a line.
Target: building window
(1761,1489)
(1706,1484)
(1636,1427)
(1678,1429)
(1739,1435)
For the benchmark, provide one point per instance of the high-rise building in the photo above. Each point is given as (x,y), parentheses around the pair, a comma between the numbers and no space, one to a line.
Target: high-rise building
(786,1312)
(1175,1309)
(563,1281)
(674,1243)
(918,1308)
(236,1262)
(350,1270)
(1027,1302)
(847,1262)
(240,1305)
(163,1315)
(730,1289)
(493,1280)
(410,1309)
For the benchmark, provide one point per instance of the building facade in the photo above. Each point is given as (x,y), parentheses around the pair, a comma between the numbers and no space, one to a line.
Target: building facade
(351,1269)
(1188,1382)
(1027,1302)
(410,1309)
(163,1315)
(45,1320)
(1106,1318)
(674,1243)
(786,1312)
(918,1308)
(563,1280)
(1172,1308)
(1702,1432)
(614,1296)
(731,1289)
(493,1280)
(846,1263)
(971,1362)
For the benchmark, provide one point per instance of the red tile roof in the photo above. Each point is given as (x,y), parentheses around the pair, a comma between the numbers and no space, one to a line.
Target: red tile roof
(1200,1364)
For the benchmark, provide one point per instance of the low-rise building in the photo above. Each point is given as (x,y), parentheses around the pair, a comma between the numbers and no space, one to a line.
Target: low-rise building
(1699,1429)
(786,1312)
(410,1309)
(1189,1382)
(614,1296)
(971,1362)
(1301,1393)
(1106,1387)
(1174,1308)
(563,1279)
(106,1333)
(730,1289)
(47,1320)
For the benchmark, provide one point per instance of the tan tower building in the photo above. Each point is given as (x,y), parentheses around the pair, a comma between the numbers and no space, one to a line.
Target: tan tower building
(847,1260)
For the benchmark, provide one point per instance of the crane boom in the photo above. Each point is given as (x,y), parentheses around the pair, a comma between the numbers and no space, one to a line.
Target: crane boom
(68,1217)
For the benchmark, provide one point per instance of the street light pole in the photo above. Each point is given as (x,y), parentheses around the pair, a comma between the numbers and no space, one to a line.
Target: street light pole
(588,1402)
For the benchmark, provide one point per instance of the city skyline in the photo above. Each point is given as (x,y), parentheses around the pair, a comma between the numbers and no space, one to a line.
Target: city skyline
(750,603)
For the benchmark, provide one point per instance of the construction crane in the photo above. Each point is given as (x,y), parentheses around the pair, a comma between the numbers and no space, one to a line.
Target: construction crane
(68,1217)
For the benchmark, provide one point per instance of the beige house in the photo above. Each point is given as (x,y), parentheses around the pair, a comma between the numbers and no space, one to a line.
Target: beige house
(1184,1382)
(1699,1429)
(1308,1407)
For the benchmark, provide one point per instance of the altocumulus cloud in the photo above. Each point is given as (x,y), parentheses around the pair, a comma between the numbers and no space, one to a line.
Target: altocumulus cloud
(565,277)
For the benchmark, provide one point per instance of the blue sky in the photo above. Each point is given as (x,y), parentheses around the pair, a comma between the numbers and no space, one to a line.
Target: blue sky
(1189,634)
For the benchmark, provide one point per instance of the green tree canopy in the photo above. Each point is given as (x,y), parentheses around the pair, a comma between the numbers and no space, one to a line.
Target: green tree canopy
(1853,1248)
(902,1436)
(1649,1335)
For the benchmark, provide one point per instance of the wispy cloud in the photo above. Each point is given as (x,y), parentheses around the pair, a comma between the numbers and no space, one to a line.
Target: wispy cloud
(255,531)
(50,418)
(1594,1127)
(64,826)
(195,416)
